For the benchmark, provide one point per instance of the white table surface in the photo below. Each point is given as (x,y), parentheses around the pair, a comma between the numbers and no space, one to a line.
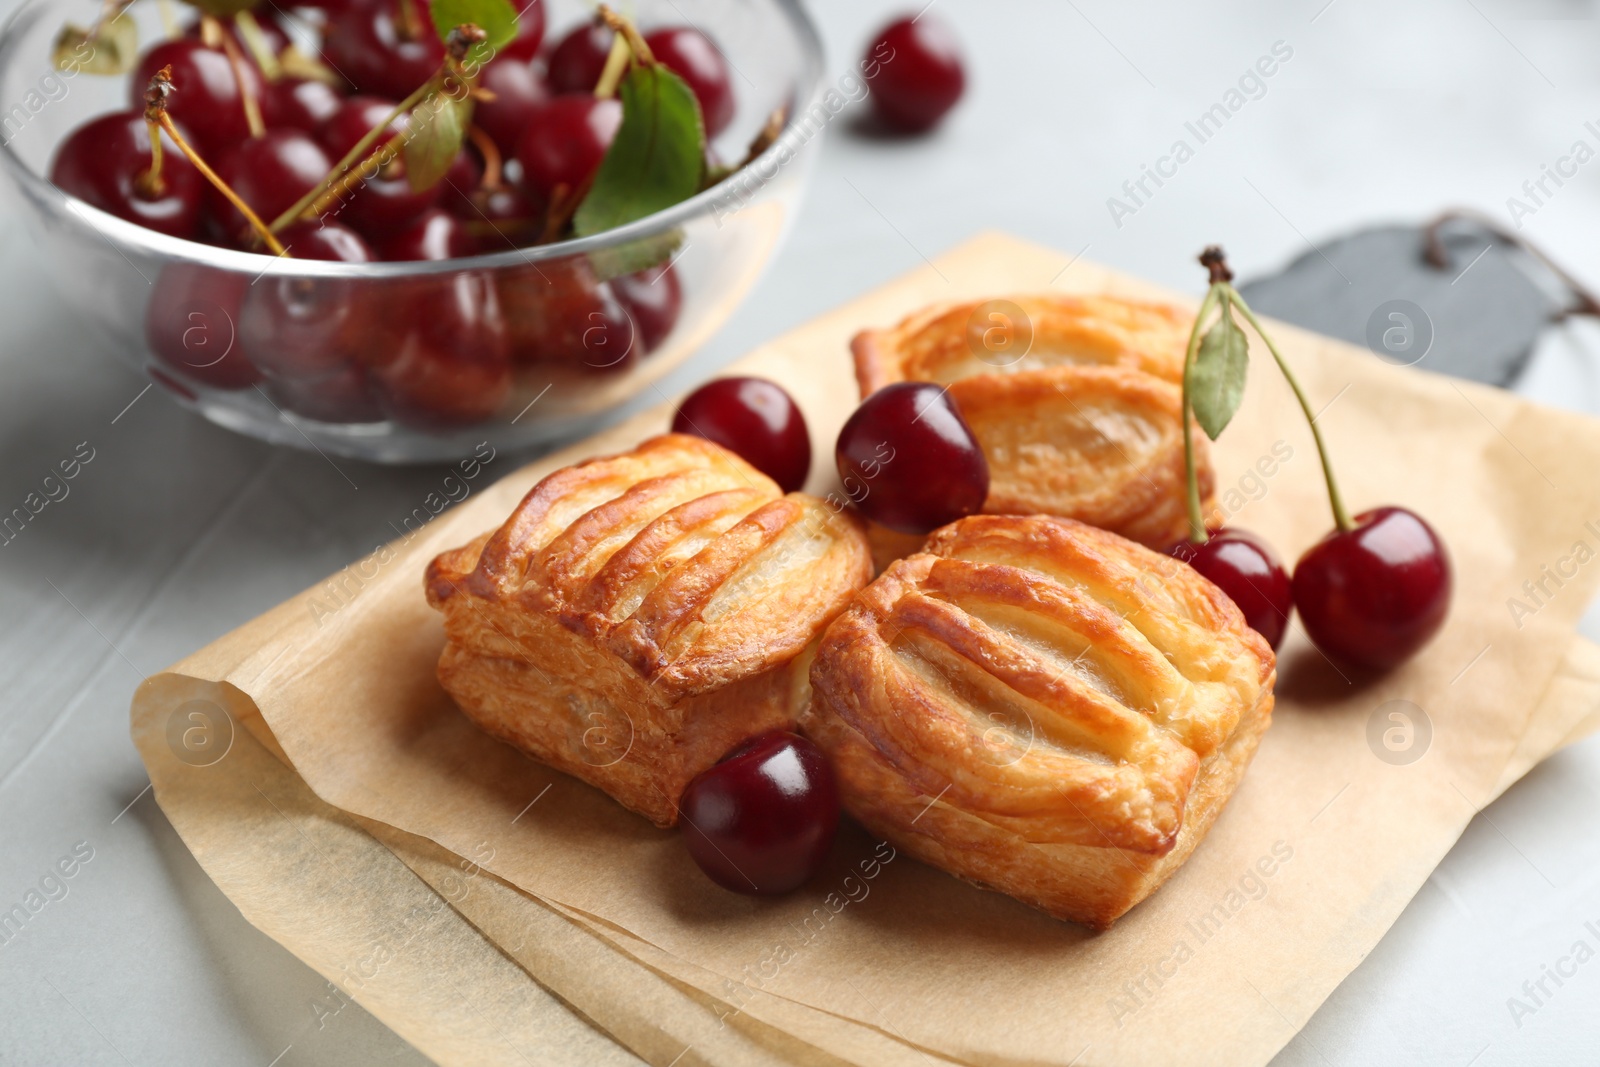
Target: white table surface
(178,531)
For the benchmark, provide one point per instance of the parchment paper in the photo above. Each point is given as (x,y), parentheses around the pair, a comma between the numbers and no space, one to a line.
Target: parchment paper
(1329,836)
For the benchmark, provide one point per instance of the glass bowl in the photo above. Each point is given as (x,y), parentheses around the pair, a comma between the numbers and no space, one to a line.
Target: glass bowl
(414,362)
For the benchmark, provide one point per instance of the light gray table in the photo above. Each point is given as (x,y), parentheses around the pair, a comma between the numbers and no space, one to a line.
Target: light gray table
(177,531)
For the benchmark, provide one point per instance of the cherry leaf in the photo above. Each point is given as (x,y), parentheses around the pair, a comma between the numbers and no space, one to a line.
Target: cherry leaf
(657,158)
(1216,381)
(112,49)
(434,138)
(496,18)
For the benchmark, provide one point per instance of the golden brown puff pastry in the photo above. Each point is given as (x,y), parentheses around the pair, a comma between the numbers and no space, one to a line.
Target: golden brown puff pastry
(1042,708)
(1087,425)
(638,615)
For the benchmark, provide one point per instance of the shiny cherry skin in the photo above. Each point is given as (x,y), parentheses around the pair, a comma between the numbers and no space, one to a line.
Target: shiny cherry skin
(191,325)
(436,350)
(344,396)
(308,328)
(909,460)
(692,56)
(914,72)
(498,219)
(1246,568)
(518,92)
(530,31)
(558,314)
(757,420)
(653,297)
(381,52)
(1375,594)
(579,57)
(435,234)
(272,32)
(104,161)
(385,202)
(565,140)
(762,820)
(304,104)
(206,100)
(270,173)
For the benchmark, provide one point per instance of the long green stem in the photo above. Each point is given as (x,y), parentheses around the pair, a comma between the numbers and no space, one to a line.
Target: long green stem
(358,152)
(1340,516)
(1197,521)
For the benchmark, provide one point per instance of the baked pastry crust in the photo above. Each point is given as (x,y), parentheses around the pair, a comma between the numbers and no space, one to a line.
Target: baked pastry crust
(638,615)
(1086,425)
(1042,708)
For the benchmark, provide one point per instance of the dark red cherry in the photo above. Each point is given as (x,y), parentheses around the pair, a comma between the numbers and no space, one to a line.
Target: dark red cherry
(384,202)
(343,396)
(763,819)
(565,139)
(517,94)
(435,234)
(384,47)
(353,119)
(1373,595)
(498,219)
(692,56)
(914,72)
(579,57)
(303,104)
(270,173)
(272,33)
(530,31)
(191,325)
(909,460)
(756,419)
(206,101)
(326,240)
(305,328)
(1244,566)
(436,350)
(653,297)
(104,161)
(558,313)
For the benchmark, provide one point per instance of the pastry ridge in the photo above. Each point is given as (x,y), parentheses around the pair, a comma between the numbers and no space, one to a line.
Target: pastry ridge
(1041,707)
(1086,424)
(638,615)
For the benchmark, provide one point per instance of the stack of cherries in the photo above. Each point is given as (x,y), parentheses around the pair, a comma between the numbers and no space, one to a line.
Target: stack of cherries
(429,351)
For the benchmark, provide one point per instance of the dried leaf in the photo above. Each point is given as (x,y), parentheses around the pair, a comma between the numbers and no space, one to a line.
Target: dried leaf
(112,48)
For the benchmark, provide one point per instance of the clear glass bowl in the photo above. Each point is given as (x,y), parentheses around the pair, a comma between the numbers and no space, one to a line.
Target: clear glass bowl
(411,362)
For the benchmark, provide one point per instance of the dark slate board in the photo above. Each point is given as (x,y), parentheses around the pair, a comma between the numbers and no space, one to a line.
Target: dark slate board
(1374,288)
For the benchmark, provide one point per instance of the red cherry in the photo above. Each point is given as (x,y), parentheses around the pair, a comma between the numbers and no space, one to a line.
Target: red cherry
(909,460)
(579,57)
(763,819)
(436,350)
(270,173)
(206,101)
(1373,595)
(530,31)
(272,32)
(653,297)
(518,92)
(325,240)
(756,419)
(497,219)
(341,397)
(384,202)
(104,161)
(914,72)
(565,140)
(306,328)
(381,52)
(1244,566)
(435,234)
(191,325)
(559,313)
(692,56)
(303,104)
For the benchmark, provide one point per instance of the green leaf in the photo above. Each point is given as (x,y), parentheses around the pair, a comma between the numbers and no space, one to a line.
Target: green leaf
(438,128)
(657,157)
(1216,381)
(496,18)
(112,49)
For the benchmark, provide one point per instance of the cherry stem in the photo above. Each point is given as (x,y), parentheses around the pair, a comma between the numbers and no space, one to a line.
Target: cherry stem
(151,184)
(624,27)
(406,19)
(1197,522)
(247,95)
(616,65)
(222,187)
(260,48)
(1433,250)
(341,177)
(1340,516)
(490,152)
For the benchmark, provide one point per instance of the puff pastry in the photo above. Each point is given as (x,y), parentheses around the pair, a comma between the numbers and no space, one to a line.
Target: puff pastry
(1087,424)
(1042,708)
(638,615)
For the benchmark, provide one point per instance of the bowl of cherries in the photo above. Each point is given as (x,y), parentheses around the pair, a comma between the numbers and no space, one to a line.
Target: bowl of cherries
(393,229)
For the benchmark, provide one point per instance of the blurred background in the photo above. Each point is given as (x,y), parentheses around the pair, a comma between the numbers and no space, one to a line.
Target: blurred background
(178,530)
